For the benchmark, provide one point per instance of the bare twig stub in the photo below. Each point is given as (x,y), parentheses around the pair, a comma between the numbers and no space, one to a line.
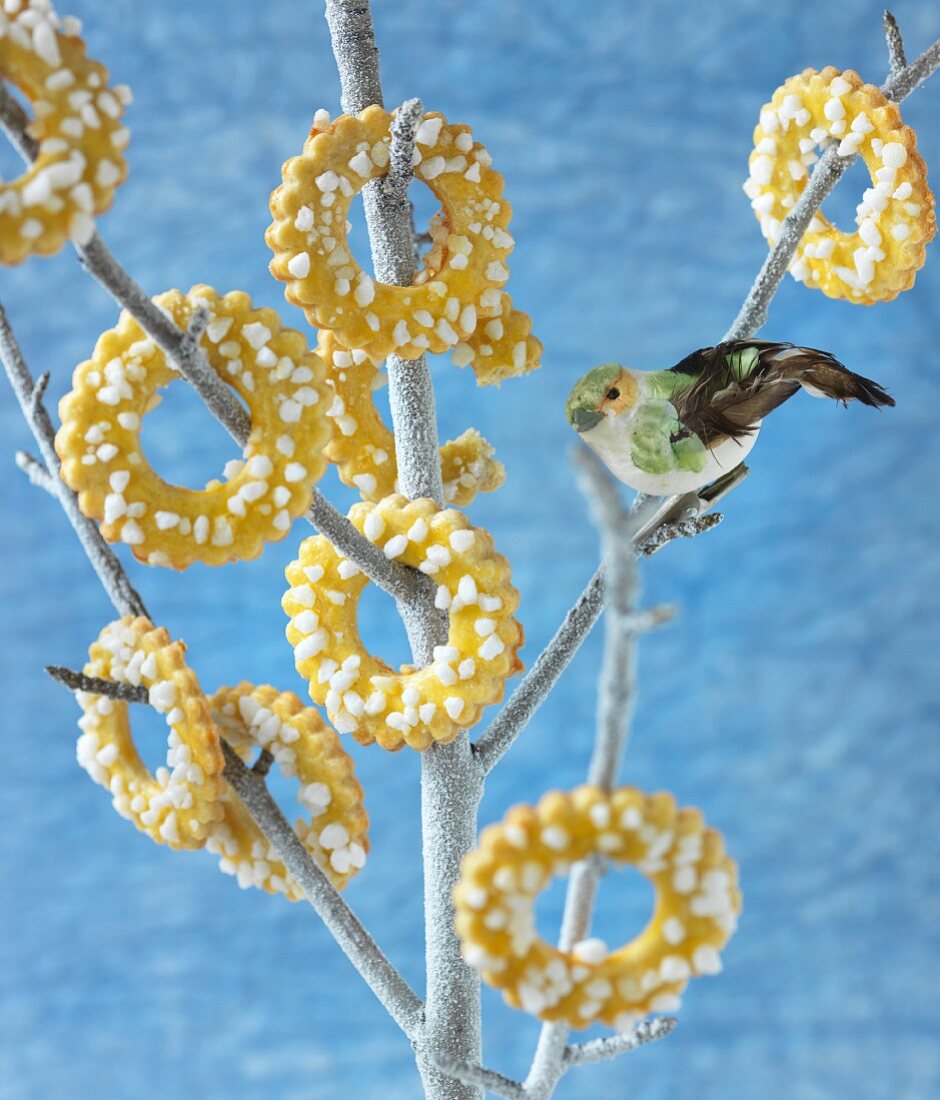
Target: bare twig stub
(94,685)
(600,1050)
(896,56)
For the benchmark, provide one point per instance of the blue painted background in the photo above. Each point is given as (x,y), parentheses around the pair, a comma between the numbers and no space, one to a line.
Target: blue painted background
(795,699)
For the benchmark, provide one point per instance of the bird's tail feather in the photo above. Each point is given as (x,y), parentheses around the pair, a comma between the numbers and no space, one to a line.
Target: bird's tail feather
(822,375)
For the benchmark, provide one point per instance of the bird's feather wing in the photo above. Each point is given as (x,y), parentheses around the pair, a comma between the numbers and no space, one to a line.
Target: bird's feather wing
(737,384)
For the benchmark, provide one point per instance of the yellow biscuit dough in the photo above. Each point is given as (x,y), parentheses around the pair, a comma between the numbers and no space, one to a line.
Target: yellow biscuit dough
(697,902)
(272,370)
(502,345)
(895,218)
(305,747)
(183,802)
(412,706)
(77,123)
(465,269)
(363,448)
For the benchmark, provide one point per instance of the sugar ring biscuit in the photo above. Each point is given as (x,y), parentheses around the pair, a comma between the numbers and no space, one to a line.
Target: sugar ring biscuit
(697,902)
(311,251)
(78,125)
(305,747)
(363,448)
(412,706)
(183,802)
(281,382)
(895,218)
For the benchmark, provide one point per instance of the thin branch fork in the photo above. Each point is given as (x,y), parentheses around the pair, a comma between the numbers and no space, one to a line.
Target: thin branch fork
(580,1054)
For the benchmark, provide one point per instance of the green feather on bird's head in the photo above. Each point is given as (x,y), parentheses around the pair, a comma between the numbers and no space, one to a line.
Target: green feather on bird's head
(583,404)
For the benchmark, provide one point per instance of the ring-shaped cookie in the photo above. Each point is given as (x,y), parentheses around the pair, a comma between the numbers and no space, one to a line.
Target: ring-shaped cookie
(183,802)
(78,125)
(281,382)
(311,250)
(895,218)
(363,448)
(303,746)
(697,902)
(411,706)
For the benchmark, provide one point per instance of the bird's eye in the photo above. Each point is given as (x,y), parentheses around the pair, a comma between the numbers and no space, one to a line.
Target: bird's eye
(613,394)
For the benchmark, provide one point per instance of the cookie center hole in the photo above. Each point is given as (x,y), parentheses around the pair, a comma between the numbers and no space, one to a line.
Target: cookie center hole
(183,441)
(149,732)
(623,908)
(839,206)
(425,205)
(381,629)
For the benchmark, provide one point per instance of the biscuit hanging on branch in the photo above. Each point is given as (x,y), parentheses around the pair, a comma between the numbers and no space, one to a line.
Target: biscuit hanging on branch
(697,902)
(183,802)
(412,706)
(457,290)
(895,219)
(272,370)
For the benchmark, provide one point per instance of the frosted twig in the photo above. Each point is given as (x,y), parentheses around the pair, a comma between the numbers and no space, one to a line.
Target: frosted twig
(895,44)
(486,1078)
(600,1050)
(119,589)
(95,685)
(35,471)
(15,122)
(401,152)
(684,529)
(451,781)
(398,998)
(828,171)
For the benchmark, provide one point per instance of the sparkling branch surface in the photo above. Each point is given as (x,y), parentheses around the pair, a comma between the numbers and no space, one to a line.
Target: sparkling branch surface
(451,781)
(896,55)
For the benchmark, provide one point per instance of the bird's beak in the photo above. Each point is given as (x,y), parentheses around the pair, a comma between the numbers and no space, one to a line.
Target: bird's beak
(583,420)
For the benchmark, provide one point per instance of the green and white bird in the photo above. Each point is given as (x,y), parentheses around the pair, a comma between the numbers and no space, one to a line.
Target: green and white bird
(671,431)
